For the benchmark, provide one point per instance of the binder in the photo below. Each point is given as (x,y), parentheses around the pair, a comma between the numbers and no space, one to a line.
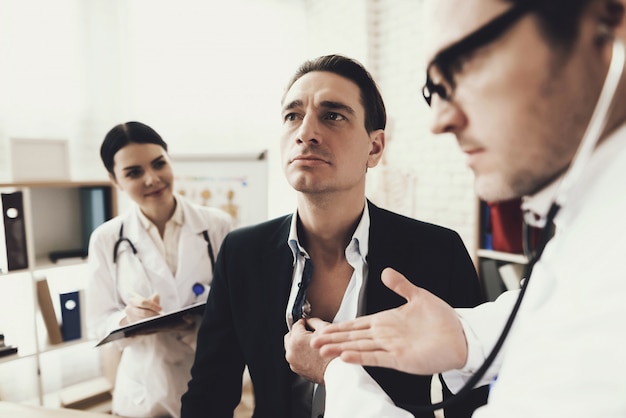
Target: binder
(70,316)
(14,230)
(94,211)
(47,312)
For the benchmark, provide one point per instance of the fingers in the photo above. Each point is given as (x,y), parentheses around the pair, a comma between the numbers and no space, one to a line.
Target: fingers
(141,308)
(150,304)
(316,324)
(367,358)
(345,342)
(156,300)
(399,284)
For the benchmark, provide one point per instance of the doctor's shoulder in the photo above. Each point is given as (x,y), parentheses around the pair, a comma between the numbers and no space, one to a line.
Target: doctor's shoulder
(108,231)
(215,218)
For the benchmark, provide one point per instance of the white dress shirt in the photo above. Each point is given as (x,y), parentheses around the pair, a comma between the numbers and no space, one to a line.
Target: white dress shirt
(168,245)
(356,254)
(352,303)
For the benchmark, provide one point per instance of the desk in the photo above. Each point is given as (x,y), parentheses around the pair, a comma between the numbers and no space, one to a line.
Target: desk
(9,409)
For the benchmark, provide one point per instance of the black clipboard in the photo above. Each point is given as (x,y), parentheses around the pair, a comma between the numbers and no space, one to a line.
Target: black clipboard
(153,324)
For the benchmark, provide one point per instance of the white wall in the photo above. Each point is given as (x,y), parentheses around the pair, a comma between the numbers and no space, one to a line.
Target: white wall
(208,75)
(422,176)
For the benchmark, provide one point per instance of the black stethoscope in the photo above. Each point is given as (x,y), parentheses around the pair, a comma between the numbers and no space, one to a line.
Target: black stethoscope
(197,288)
(590,138)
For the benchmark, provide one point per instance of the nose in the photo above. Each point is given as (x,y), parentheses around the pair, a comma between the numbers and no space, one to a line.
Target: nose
(309,131)
(151,177)
(447,116)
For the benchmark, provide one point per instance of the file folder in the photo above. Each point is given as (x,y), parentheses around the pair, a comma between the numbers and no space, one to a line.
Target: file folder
(70,316)
(154,323)
(14,230)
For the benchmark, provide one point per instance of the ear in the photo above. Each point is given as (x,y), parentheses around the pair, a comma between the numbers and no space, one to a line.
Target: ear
(377,146)
(114,181)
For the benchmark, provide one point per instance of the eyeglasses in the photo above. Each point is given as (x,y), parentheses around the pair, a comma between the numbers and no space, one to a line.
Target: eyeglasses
(446,60)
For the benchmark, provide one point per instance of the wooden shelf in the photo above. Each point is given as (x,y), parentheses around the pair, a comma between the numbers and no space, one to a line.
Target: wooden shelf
(57,217)
(500,256)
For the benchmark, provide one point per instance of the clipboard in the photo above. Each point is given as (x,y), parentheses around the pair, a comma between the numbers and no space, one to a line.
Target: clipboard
(153,324)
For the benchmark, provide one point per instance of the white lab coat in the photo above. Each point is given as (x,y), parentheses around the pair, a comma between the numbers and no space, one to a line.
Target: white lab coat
(564,356)
(154,369)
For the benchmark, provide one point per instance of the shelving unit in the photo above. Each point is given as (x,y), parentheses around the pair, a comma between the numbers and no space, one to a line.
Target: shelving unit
(57,219)
(500,260)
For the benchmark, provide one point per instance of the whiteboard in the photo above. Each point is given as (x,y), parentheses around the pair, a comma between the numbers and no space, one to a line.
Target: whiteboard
(235,183)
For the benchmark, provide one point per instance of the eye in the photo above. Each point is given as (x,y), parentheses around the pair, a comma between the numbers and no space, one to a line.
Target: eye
(456,67)
(133,173)
(290,117)
(335,116)
(159,164)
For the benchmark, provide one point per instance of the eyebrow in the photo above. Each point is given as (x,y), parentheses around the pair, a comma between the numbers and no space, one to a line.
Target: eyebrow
(132,167)
(327,104)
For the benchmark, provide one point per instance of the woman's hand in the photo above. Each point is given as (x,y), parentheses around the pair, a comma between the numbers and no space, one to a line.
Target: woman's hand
(139,308)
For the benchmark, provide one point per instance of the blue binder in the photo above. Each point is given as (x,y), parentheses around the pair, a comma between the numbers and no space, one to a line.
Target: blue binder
(70,316)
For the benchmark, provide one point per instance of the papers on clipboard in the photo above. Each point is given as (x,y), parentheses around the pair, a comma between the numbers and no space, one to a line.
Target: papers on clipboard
(153,324)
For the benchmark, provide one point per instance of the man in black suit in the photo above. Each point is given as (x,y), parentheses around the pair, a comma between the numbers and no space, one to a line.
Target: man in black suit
(334,120)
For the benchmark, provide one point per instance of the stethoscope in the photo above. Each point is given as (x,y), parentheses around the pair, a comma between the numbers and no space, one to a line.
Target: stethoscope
(596,126)
(197,288)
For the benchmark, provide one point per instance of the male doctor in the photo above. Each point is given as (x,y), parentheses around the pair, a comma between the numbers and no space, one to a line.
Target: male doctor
(534,93)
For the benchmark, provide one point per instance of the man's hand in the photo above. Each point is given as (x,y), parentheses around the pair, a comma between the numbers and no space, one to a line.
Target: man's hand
(301,356)
(423,336)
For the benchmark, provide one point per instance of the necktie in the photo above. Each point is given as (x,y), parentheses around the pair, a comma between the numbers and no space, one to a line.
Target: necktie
(298,306)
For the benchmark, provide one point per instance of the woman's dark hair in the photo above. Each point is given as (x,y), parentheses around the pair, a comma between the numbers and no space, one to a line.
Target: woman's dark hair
(124,134)
(372,101)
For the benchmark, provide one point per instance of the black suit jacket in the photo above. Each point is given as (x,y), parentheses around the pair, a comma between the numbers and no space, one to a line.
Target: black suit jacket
(244,320)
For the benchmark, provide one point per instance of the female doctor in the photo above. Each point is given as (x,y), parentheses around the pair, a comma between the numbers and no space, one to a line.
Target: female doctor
(157,257)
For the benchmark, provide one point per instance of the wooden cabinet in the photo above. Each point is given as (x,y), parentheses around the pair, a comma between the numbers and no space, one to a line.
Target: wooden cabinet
(56,220)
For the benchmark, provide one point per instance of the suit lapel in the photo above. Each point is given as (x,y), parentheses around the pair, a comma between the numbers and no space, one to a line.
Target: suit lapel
(381,251)
(276,273)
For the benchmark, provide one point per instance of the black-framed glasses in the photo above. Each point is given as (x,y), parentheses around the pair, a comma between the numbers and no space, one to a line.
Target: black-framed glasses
(447,58)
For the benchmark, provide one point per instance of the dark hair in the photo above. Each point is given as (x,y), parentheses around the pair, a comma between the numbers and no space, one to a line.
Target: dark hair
(124,134)
(372,101)
(558,19)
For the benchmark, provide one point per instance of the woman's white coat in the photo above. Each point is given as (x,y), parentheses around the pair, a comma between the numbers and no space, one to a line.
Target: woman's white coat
(154,369)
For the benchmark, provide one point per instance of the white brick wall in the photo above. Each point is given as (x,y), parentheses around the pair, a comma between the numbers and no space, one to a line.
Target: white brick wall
(423,176)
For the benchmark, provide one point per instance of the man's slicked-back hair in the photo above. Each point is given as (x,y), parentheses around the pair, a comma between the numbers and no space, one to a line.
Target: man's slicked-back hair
(124,134)
(371,99)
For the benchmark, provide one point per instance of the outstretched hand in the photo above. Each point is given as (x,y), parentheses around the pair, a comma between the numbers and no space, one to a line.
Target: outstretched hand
(423,336)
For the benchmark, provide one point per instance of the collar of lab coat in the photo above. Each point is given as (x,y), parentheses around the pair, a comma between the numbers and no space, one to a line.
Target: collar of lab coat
(190,246)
